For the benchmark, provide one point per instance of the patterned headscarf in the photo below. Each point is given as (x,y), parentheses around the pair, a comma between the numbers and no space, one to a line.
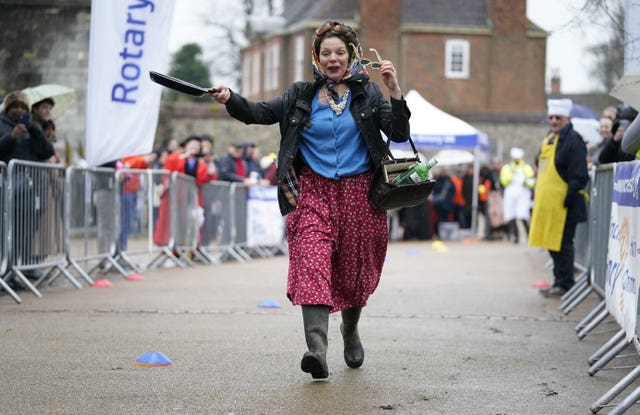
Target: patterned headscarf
(355,70)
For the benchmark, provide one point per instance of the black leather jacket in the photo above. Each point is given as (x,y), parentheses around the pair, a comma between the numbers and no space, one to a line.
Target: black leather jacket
(292,110)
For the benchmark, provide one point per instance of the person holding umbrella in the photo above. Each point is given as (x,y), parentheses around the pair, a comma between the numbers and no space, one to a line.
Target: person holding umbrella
(43,116)
(44,98)
(43,111)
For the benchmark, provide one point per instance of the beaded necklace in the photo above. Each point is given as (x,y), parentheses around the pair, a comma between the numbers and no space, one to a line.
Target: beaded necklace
(337,108)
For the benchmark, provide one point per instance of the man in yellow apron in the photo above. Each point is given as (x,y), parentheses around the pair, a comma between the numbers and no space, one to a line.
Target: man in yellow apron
(559,197)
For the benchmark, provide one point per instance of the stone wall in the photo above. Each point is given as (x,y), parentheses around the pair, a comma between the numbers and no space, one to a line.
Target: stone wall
(504,136)
(46,42)
(183,119)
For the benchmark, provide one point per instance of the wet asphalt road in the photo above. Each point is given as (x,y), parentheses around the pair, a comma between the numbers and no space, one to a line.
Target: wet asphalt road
(452,329)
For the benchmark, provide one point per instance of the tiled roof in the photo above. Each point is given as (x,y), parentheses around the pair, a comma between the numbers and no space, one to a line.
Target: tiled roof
(458,13)
(445,12)
(434,12)
(299,11)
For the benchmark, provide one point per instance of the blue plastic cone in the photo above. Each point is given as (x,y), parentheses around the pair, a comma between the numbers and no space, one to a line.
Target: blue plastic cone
(153,359)
(269,304)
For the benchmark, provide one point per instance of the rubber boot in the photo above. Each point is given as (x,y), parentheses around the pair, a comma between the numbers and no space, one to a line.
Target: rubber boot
(316,324)
(353,351)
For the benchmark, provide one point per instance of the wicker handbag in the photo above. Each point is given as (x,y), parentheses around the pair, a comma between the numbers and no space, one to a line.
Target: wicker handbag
(384,195)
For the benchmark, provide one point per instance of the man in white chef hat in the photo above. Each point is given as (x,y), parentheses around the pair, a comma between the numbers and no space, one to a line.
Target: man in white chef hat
(559,194)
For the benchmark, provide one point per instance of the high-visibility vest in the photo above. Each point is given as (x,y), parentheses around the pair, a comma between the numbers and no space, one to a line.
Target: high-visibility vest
(506,173)
(483,190)
(458,198)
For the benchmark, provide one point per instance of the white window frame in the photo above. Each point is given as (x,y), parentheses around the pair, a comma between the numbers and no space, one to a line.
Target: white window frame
(271,67)
(267,69)
(456,52)
(299,63)
(255,73)
(246,74)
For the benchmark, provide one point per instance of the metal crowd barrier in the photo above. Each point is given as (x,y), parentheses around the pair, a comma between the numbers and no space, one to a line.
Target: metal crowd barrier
(86,219)
(168,192)
(4,255)
(92,220)
(36,227)
(603,194)
(239,196)
(599,219)
(225,233)
(213,194)
(186,218)
(139,217)
(220,218)
(583,246)
(581,289)
(3,220)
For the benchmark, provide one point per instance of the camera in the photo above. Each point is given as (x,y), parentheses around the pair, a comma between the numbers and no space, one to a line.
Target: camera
(25,119)
(625,115)
(624,124)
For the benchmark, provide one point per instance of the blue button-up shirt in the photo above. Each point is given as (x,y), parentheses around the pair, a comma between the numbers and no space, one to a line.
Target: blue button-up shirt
(333,146)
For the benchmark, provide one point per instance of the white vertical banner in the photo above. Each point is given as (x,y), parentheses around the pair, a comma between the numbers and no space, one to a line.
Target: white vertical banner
(265,225)
(623,256)
(632,37)
(128,38)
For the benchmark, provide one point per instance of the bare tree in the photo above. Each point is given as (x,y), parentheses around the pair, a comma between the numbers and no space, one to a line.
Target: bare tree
(227,41)
(232,34)
(609,53)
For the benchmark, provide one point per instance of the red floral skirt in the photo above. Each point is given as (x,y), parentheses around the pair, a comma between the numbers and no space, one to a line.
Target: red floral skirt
(337,242)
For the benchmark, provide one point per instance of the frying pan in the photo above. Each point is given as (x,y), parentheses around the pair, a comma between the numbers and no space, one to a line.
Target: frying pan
(179,85)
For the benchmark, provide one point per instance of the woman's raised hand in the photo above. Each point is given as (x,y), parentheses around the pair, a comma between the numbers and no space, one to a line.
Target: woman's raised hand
(220,93)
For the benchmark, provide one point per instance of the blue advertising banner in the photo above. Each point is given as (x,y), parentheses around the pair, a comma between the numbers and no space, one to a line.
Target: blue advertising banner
(622,257)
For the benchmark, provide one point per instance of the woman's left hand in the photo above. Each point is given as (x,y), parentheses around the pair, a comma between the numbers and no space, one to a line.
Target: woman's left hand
(390,79)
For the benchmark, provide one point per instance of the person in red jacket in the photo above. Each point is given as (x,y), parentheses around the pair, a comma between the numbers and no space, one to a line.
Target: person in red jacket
(188,162)
(129,198)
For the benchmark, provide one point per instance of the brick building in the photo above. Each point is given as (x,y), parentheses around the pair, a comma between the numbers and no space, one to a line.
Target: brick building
(482,60)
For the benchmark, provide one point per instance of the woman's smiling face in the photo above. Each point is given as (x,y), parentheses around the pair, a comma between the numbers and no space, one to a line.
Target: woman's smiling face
(334,58)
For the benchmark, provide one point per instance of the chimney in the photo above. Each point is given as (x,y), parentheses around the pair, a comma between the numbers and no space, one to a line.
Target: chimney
(555,82)
(508,16)
(379,27)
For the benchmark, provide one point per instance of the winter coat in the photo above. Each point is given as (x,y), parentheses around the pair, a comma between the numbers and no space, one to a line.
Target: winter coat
(292,110)
(570,162)
(32,146)
(227,169)
(612,152)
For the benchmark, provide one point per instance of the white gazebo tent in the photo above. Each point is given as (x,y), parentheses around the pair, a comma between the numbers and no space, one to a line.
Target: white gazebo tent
(434,129)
